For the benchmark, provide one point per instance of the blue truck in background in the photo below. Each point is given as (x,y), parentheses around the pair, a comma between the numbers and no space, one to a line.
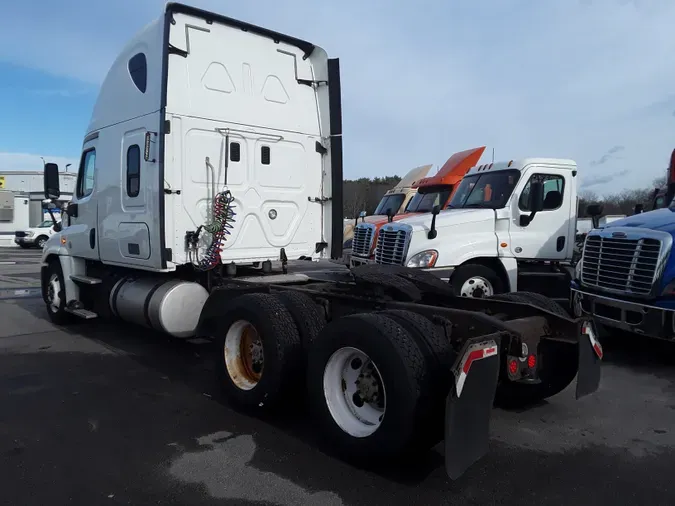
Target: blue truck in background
(625,278)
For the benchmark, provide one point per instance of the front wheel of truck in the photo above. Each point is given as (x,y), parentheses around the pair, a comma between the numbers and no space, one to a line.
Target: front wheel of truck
(55,294)
(476,281)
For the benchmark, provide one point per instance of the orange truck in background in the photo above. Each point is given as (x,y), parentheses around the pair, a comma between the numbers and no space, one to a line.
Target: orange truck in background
(431,191)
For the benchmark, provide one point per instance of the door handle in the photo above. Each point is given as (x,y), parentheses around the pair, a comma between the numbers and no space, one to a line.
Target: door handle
(560,243)
(92,238)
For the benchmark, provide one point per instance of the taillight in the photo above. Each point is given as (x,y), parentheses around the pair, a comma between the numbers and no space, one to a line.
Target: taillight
(531,361)
(513,366)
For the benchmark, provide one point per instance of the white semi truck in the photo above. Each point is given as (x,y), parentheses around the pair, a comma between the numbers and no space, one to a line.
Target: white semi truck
(216,143)
(510,226)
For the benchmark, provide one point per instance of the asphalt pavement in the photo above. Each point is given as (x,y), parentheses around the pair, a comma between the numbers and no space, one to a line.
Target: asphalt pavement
(102,413)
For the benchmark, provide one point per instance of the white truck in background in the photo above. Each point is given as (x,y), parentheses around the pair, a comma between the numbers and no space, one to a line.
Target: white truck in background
(215,143)
(511,226)
(35,237)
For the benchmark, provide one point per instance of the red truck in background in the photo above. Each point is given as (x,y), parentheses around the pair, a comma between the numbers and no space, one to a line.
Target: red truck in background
(436,190)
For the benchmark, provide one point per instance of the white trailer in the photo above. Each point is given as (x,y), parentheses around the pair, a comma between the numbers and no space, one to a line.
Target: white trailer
(216,143)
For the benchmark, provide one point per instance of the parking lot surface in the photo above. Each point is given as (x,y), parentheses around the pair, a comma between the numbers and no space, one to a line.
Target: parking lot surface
(103,413)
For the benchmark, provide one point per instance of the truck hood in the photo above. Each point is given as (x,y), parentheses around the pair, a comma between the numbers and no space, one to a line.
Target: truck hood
(449,218)
(661,219)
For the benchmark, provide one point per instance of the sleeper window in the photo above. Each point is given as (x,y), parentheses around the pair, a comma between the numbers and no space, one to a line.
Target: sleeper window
(265,155)
(138,70)
(85,179)
(235,151)
(133,171)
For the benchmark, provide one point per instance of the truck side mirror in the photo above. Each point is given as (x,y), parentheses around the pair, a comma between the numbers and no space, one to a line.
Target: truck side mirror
(432,231)
(390,214)
(51,181)
(536,197)
(535,203)
(595,211)
(639,208)
(363,215)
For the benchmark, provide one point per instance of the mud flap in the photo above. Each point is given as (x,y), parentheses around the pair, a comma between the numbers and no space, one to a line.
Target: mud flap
(469,404)
(590,356)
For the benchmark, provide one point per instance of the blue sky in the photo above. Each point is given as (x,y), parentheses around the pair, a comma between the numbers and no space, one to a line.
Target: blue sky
(590,80)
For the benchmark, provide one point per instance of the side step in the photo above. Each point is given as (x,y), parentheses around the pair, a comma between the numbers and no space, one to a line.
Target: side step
(82,313)
(85,280)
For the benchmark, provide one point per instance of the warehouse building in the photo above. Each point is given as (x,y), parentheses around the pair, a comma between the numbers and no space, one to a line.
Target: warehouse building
(21,196)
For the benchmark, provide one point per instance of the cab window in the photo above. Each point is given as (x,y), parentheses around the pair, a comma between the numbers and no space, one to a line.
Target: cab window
(554,189)
(85,177)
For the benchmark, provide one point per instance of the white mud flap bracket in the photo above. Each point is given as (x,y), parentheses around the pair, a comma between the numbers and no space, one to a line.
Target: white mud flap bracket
(469,404)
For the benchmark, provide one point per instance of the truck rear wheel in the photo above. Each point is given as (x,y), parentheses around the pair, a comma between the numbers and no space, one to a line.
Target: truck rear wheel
(260,356)
(425,281)
(308,316)
(535,299)
(477,281)
(439,357)
(367,380)
(557,361)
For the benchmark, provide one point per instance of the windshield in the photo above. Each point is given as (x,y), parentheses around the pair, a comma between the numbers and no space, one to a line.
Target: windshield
(424,201)
(46,224)
(490,190)
(392,202)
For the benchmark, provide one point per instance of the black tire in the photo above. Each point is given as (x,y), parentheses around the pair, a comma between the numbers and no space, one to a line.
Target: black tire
(40,241)
(281,347)
(558,362)
(424,280)
(308,316)
(57,315)
(440,356)
(404,375)
(468,271)
(391,284)
(429,337)
(535,299)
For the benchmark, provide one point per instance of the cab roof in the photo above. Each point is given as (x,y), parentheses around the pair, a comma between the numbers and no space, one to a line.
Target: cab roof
(560,163)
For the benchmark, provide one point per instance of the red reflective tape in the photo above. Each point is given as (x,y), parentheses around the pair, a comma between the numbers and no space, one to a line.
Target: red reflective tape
(598,350)
(474,355)
(490,351)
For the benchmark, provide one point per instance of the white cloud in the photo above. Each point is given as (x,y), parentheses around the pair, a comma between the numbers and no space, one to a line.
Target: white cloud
(565,79)
(26,161)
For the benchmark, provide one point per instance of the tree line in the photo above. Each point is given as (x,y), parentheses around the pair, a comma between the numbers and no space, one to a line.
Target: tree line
(364,194)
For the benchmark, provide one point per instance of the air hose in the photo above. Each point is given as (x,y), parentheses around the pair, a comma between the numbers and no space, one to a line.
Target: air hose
(219,228)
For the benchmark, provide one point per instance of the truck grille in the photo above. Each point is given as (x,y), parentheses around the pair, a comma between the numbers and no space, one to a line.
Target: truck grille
(392,244)
(363,239)
(617,262)
(19,233)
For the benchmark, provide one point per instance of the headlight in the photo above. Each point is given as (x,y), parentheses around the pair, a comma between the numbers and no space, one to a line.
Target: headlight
(423,259)
(577,270)
(30,234)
